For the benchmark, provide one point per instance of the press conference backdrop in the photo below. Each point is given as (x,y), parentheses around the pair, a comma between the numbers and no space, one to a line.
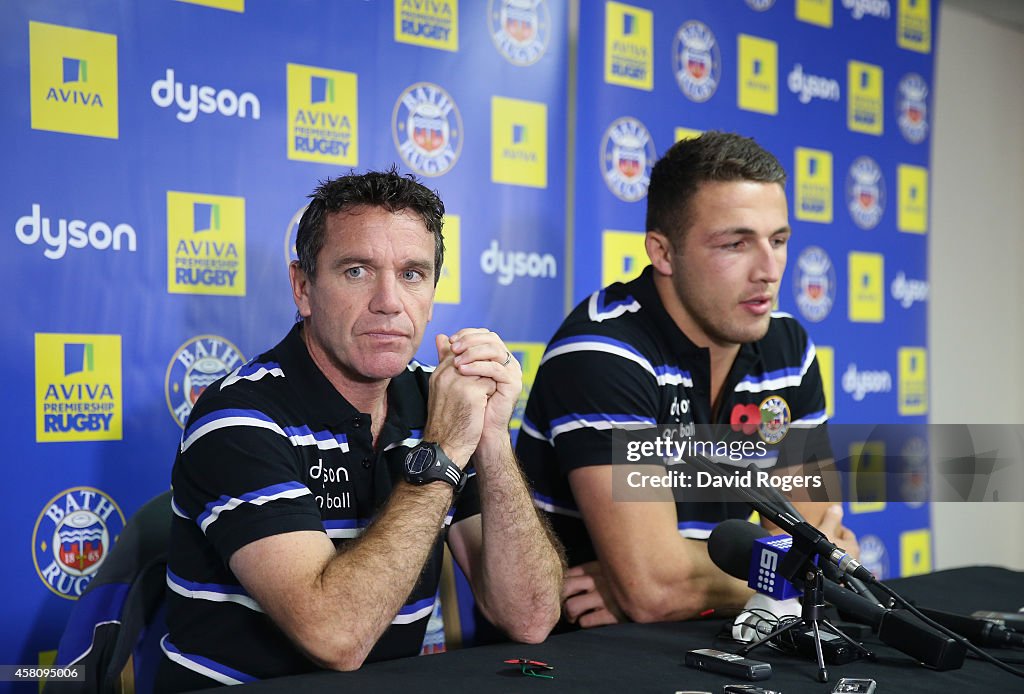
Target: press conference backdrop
(158,155)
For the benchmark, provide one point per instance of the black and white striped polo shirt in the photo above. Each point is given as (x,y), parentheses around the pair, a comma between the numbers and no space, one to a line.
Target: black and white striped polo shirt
(274,448)
(619,363)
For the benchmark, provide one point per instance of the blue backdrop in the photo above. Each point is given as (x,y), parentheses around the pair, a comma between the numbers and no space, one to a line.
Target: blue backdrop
(157,156)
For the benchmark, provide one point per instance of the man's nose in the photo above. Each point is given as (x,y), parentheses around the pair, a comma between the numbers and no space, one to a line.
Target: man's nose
(771,261)
(385,297)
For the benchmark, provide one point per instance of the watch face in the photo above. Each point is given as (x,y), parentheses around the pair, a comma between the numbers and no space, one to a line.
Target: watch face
(419,460)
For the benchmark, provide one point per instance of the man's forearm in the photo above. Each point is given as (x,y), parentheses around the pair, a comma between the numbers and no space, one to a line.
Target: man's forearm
(522,566)
(367,582)
(679,583)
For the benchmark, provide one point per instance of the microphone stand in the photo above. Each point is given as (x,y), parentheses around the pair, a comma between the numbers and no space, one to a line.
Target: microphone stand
(812,608)
(798,568)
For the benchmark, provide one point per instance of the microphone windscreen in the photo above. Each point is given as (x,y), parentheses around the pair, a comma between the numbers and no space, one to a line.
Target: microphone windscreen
(730,544)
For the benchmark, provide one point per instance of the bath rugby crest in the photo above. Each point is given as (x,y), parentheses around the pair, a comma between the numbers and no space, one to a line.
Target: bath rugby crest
(696,61)
(627,157)
(912,108)
(427,129)
(73,537)
(865,193)
(815,283)
(520,29)
(775,419)
(194,366)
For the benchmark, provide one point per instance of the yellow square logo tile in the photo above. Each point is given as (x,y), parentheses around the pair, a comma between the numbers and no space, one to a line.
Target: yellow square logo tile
(913,381)
(628,46)
(73,80)
(758,75)
(827,366)
(915,552)
(429,23)
(323,122)
(519,142)
(449,286)
(623,255)
(813,201)
(814,12)
(686,134)
(867,287)
(912,215)
(864,98)
(230,5)
(78,387)
(867,476)
(205,244)
(529,355)
(914,25)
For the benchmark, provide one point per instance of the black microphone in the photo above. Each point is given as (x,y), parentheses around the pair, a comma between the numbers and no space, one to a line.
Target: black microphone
(803,533)
(730,547)
(980,632)
(1011,620)
(784,505)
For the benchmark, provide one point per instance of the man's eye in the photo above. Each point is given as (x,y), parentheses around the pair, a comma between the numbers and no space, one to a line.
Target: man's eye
(412,275)
(355,272)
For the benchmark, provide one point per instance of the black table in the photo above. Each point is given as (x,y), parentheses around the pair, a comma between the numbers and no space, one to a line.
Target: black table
(649,657)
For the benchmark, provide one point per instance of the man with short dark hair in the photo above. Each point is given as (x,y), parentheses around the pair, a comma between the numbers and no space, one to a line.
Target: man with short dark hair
(690,343)
(314,486)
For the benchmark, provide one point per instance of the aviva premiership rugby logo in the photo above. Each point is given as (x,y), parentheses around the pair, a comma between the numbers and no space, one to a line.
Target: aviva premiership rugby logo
(865,193)
(520,29)
(775,418)
(194,366)
(696,61)
(427,129)
(73,536)
(815,284)
(912,108)
(627,156)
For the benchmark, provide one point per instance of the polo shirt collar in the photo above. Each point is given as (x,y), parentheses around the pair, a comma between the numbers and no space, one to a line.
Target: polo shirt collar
(647,294)
(321,400)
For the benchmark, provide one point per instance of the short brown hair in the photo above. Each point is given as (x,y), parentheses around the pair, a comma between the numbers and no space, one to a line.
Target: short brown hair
(714,156)
(389,190)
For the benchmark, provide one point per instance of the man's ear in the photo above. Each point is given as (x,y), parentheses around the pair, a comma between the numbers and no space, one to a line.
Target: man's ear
(659,250)
(300,288)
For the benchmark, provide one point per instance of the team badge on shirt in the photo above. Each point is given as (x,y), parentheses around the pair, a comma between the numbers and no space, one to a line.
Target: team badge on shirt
(775,419)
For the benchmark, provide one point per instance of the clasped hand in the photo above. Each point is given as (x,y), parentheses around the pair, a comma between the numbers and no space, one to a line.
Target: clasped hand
(473,392)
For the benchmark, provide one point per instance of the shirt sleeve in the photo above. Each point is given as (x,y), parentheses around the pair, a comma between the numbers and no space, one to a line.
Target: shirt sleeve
(808,440)
(237,476)
(582,401)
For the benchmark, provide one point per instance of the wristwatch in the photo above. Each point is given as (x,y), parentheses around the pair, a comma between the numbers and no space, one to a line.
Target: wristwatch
(427,463)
